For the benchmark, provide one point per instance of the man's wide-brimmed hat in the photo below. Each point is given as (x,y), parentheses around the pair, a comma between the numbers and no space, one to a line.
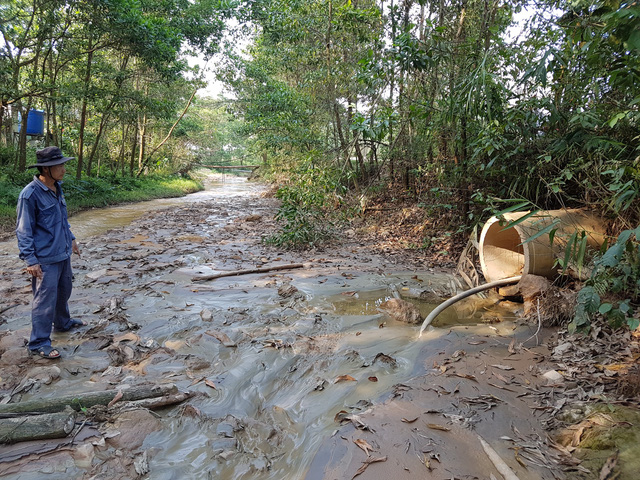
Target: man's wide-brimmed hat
(50,156)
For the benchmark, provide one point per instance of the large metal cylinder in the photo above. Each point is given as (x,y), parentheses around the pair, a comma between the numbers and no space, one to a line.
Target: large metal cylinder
(505,251)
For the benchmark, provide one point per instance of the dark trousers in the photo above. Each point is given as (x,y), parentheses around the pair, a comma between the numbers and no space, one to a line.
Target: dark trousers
(50,302)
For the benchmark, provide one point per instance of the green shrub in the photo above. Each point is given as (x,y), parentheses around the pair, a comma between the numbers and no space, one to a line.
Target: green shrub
(303,215)
(613,290)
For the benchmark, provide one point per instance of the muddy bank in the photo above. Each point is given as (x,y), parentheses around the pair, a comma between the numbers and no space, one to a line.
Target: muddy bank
(285,370)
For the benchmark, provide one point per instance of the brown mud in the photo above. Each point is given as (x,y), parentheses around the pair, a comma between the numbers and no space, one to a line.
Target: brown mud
(297,374)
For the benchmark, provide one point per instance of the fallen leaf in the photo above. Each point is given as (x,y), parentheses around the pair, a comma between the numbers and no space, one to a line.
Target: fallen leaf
(364,445)
(500,387)
(620,367)
(345,378)
(276,343)
(349,294)
(368,462)
(222,337)
(209,383)
(343,416)
(384,358)
(340,416)
(479,342)
(500,377)
(405,420)
(373,379)
(126,337)
(518,458)
(435,426)
(95,275)
(191,411)
(117,397)
(503,367)
(465,375)
(197,380)
(577,436)
(608,467)
(320,386)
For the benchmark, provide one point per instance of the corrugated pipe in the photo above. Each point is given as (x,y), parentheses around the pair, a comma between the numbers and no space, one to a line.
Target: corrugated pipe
(438,310)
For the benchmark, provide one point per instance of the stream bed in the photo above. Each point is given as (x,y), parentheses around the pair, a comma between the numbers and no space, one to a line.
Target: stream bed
(271,358)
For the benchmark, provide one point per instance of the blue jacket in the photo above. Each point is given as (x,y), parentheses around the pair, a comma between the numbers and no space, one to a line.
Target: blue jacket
(42,228)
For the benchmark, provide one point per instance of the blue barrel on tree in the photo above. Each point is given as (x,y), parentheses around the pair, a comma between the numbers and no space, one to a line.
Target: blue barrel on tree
(35,122)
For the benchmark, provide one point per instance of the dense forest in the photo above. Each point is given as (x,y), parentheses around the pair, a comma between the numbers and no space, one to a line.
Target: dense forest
(455,101)
(462,106)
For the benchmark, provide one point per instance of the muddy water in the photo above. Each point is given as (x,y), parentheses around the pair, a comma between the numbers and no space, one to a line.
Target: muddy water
(296,360)
(97,221)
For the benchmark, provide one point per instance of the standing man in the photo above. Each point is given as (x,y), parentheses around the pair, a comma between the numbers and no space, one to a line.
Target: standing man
(45,242)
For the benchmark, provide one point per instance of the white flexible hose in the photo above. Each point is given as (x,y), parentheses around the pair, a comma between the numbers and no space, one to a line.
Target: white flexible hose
(436,311)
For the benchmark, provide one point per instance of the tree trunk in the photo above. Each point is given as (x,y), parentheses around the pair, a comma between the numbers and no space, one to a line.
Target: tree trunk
(134,144)
(125,132)
(3,109)
(142,129)
(83,115)
(22,138)
(103,121)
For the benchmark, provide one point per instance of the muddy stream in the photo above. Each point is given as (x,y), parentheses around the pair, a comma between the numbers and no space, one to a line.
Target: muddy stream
(271,357)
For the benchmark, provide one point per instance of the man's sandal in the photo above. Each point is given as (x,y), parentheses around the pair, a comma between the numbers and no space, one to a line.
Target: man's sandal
(46,351)
(74,324)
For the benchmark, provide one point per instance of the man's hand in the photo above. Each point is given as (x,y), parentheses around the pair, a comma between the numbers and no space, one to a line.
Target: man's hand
(75,248)
(35,270)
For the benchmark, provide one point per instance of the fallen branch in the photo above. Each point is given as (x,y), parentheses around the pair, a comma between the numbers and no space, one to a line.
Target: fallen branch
(37,427)
(234,273)
(153,403)
(4,309)
(85,400)
(500,465)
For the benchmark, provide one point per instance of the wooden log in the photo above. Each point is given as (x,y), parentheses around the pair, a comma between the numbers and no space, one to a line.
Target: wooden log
(153,403)
(86,400)
(37,427)
(233,273)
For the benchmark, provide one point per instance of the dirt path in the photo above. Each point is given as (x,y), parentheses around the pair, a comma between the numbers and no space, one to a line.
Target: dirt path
(261,351)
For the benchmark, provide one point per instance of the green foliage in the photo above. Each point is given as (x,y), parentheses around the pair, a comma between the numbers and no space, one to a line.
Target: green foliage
(613,290)
(304,214)
(111,75)
(300,216)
